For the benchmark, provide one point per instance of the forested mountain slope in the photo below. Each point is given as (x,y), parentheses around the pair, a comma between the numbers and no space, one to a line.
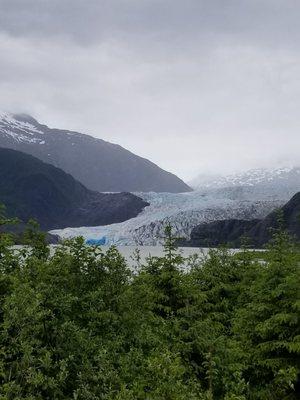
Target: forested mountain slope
(30,188)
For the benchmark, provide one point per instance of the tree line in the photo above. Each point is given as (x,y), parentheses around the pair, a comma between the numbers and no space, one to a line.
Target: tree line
(80,324)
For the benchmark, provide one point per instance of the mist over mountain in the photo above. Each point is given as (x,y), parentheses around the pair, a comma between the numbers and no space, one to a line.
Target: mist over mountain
(284,181)
(30,188)
(98,164)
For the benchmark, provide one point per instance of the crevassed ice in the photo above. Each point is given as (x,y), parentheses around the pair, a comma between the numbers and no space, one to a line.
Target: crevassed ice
(183,211)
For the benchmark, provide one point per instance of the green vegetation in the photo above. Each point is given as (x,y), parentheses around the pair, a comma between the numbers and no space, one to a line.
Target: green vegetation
(79,324)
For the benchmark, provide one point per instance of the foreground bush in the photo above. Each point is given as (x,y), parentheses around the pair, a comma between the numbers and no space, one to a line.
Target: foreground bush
(80,324)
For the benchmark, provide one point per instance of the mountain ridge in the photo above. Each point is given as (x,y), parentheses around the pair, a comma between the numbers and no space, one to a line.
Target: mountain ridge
(98,164)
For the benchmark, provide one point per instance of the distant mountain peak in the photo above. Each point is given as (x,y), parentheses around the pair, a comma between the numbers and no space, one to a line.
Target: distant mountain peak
(252,177)
(19,129)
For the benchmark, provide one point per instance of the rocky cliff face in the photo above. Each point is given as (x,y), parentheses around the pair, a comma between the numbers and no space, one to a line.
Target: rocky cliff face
(213,234)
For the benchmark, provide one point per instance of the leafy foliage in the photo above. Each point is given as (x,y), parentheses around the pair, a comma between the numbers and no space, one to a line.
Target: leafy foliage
(77,323)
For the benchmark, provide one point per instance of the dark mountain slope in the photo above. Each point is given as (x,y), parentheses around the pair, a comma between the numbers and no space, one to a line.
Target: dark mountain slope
(99,165)
(258,232)
(261,234)
(30,188)
(219,232)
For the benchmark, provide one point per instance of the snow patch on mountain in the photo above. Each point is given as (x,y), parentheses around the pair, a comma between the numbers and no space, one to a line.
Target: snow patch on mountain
(20,130)
(252,177)
(98,164)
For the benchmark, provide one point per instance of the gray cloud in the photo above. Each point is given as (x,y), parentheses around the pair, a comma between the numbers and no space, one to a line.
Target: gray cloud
(195,85)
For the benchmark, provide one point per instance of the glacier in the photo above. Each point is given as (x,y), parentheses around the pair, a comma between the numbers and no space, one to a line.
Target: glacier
(182,211)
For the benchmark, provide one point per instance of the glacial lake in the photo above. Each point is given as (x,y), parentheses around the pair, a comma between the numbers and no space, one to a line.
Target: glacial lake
(154,251)
(146,251)
(128,252)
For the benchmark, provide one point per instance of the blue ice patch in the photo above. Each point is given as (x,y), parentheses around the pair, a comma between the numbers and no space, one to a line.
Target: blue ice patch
(96,242)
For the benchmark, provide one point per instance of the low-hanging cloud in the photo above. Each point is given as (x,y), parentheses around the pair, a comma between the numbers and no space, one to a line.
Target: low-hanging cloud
(195,86)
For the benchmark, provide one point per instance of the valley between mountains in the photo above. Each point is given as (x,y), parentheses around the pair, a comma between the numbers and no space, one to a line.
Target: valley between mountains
(62,179)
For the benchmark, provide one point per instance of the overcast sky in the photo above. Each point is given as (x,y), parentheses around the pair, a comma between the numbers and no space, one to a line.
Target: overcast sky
(194,85)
